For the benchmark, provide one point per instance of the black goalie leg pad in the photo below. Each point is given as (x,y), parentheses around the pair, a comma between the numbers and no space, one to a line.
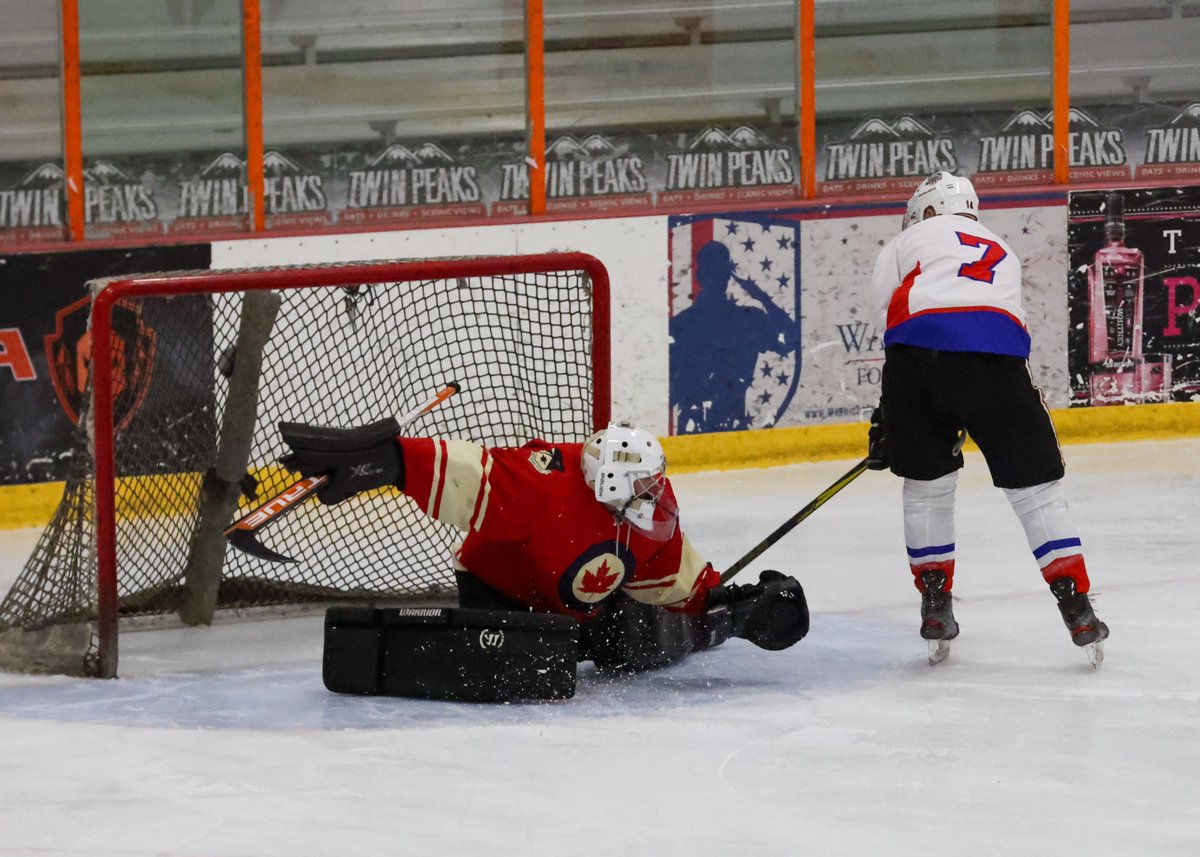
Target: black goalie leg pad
(632,637)
(451,654)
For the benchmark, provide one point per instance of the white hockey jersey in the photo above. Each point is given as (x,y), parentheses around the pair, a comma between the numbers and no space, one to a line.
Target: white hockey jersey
(951,284)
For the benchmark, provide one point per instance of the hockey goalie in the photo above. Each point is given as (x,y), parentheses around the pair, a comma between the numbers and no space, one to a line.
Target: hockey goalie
(570,552)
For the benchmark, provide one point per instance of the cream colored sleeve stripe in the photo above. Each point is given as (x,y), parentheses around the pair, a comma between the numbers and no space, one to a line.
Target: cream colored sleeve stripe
(439,478)
(485,490)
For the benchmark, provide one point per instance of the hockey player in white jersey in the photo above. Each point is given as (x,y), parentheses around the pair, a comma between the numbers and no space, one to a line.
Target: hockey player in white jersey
(956,364)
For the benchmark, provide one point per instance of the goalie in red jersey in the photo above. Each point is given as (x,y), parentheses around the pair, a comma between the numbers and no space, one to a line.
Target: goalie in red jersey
(586,530)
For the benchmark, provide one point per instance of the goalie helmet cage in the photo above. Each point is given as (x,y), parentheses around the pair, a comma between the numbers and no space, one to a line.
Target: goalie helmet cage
(192,371)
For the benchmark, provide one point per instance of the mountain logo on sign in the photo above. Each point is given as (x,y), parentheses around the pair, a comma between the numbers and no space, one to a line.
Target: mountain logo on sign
(716,158)
(399,176)
(878,149)
(36,201)
(1024,142)
(1092,144)
(592,167)
(1176,142)
(110,195)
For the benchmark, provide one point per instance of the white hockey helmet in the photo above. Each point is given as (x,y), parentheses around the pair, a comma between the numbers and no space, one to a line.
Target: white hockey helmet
(626,469)
(945,193)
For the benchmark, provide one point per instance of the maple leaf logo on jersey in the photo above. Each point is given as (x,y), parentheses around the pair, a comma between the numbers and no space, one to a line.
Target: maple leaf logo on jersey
(596,574)
(599,582)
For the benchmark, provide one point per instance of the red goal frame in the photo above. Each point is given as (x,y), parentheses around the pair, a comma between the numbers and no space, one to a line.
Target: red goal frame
(304,276)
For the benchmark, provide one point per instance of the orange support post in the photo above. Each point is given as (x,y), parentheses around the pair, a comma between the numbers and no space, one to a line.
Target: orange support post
(72,119)
(535,103)
(807,98)
(1062,91)
(252,110)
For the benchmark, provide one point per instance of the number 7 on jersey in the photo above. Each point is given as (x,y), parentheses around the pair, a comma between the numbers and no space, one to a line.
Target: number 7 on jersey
(983,270)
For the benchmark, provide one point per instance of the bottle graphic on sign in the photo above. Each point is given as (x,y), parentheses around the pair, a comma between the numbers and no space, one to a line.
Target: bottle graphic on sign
(1121,373)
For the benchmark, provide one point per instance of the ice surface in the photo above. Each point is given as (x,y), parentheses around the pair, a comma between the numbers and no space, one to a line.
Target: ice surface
(222,742)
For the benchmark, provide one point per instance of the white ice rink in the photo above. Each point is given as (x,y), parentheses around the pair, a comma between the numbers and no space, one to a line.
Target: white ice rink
(222,742)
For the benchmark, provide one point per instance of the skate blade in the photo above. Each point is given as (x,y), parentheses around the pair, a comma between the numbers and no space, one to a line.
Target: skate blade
(939,650)
(1095,653)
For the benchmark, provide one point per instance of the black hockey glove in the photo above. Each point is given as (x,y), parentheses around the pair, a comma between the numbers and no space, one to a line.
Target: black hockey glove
(354,459)
(877,447)
(772,614)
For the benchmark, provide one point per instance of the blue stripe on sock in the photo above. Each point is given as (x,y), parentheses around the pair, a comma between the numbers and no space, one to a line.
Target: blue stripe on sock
(916,553)
(1055,545)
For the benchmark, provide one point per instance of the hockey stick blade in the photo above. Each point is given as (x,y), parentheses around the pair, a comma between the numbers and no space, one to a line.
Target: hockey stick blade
(245,541)
(242,534)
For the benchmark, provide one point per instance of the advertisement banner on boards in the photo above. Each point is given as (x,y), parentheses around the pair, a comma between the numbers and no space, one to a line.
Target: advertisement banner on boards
(45,352)
(33,203)
(889,153)
(1134,295)
(735,357)
(780,326)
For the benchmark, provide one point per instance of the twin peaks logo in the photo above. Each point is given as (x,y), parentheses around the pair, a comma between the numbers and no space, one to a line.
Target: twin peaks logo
(592,174)
(116,203)
(218,197)
(1022,150)
(33,209)
(885,156)
(422,182)
(1173,149)
(729,166)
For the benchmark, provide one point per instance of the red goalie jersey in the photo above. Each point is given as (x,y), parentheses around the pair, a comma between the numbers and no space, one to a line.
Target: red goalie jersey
(535,532)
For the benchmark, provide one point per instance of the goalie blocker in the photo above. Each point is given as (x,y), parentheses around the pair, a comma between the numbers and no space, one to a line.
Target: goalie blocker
(499,655)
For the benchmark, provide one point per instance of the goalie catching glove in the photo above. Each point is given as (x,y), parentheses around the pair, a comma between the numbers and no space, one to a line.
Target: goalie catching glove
(772,614)
(354,459)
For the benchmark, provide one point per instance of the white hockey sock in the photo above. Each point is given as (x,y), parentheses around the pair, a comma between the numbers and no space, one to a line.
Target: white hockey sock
(929,523)
(1050,530)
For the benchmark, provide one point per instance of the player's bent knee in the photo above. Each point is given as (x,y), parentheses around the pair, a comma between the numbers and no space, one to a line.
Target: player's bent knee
(451,654)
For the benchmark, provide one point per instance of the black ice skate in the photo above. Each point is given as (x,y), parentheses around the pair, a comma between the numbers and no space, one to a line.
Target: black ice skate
(1086,630)
(937,615)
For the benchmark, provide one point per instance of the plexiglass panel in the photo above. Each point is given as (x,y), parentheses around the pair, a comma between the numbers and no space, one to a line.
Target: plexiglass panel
(909,87)
(378,111)
(162,116)
(673,103)
(1135,91)
(32,206)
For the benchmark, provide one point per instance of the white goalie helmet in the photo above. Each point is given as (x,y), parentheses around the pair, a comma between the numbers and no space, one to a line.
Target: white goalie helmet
(626,469)
(946,193)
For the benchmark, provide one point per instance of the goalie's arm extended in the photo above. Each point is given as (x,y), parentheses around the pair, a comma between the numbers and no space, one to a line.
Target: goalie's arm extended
(446,478)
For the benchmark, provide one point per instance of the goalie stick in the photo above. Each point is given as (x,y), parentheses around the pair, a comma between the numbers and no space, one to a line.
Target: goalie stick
(243,533)
(790,524)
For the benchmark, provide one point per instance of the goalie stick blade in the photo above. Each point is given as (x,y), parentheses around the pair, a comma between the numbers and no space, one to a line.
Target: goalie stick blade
(939,650)
(245,541)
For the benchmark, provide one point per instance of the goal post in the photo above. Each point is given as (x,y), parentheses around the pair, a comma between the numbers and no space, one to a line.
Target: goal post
(527,337)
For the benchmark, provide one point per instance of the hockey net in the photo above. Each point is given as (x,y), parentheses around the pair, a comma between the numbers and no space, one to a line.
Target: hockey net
(191,374)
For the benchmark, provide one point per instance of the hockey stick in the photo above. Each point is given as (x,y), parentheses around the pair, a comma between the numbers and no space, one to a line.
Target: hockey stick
(243,533)
(790,524)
